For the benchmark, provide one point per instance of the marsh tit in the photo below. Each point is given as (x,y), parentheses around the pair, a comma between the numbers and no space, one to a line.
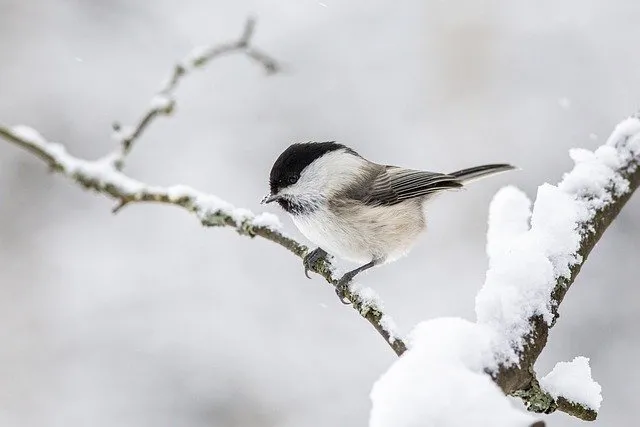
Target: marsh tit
(355,209)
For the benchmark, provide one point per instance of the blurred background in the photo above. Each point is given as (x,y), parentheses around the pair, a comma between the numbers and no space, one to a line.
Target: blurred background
(147,319)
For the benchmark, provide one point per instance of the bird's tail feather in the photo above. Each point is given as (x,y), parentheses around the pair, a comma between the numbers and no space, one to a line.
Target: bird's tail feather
(473,174)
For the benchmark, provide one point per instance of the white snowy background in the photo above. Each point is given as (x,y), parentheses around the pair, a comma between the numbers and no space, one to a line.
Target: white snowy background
(147,319)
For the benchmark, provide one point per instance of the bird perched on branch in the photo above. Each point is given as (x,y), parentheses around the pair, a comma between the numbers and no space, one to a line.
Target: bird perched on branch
(355,209)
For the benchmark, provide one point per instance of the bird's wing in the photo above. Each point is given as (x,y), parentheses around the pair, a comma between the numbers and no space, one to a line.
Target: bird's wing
(394,184)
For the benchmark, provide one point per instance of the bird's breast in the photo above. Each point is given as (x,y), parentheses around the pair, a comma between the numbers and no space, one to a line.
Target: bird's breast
(359,233)
(333,234)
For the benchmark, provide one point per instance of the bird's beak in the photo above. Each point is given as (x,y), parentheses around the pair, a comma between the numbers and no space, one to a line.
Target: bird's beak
(269,198)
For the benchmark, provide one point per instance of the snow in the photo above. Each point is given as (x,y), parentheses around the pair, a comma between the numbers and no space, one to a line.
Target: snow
(509,216)
(573,381)
(389,325)
(555,225)
(368,296)
(196,56)
(29,134)
(370,300)
(524,264)
(209,208)
(177,192)
(440,381)
(267,220)
(161,103)
(241,215)
(595,174)
(101,171)
(530,249)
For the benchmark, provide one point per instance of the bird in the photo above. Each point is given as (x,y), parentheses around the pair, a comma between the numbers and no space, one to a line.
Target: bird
(358,210)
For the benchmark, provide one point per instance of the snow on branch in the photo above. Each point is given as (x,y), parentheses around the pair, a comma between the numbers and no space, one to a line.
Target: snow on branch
(535,255)
(163,102)
(526,285)
(572,381)
(440,381)
(105,176)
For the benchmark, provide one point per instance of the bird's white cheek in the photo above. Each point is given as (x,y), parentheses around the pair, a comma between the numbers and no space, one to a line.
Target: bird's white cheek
(304,194)
(305,188)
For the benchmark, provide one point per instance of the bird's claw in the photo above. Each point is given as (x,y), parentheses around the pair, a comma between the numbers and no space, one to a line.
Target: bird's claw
(342,287)
(310,262)
(311,259)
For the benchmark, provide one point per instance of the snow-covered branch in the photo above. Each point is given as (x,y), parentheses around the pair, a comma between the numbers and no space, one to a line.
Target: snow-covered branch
(535,255)
(106,177)
(102,176)
(541,262)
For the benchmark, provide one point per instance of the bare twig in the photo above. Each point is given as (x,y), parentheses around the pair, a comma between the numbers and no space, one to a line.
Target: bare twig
(163,102)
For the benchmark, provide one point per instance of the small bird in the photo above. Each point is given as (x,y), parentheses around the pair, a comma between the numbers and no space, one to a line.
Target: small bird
(355,209)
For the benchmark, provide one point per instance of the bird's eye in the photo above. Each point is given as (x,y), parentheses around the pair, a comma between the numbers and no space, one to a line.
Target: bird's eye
(292,179)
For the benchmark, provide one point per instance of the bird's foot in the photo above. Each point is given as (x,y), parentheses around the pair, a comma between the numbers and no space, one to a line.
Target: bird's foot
(343,286)
(311,260)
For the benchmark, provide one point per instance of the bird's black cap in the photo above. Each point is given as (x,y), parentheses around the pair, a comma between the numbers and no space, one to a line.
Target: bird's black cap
(289,165)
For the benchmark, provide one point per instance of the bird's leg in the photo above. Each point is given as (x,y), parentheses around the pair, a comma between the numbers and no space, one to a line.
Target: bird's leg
(311,259)
(343,283)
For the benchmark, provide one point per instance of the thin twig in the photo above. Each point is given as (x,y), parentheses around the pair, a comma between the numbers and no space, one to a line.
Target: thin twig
(163,103)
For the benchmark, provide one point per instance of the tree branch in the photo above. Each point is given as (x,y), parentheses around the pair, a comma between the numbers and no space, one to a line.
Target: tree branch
(535,254)
(621,155)
(102,177)
(105,176)
(539,401)
(163,102)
